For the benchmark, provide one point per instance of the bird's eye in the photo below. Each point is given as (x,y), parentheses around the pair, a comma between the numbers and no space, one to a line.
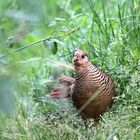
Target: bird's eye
(83,56)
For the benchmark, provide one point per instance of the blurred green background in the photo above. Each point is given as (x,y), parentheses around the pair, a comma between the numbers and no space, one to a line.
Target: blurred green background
(37,42)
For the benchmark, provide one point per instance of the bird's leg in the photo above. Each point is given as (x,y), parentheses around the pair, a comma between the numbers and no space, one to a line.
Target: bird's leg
(86,125)
(96,121)
(85,122)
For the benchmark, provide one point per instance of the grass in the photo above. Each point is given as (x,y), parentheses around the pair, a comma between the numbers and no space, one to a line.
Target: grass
(109,32)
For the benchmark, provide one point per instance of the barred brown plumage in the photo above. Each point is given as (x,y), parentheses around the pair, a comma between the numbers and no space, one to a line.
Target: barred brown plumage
(92,90)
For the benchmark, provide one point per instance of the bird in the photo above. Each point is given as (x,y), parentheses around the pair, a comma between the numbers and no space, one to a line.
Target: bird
(92,91)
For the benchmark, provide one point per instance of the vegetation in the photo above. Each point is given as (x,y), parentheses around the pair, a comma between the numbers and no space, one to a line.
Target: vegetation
(37,42)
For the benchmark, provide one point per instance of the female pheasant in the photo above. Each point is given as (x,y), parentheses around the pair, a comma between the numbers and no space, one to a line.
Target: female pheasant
(92,91)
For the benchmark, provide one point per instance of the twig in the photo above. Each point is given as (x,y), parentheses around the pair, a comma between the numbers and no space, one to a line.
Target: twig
(38,42)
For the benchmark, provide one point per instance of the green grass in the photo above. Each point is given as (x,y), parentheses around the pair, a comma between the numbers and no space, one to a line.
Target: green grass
(108,30)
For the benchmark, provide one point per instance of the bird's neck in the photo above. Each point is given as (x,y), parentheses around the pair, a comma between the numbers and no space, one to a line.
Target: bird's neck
(81,73)
(82,68)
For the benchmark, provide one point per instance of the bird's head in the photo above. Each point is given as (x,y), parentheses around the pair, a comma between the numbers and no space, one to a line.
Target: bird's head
(80,58)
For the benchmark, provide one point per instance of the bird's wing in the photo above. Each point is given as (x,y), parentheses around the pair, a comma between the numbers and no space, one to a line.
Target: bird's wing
(66,91)
(66,80)
(60,92)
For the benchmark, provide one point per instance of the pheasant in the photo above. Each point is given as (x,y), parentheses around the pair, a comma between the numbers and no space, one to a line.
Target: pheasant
(92,91)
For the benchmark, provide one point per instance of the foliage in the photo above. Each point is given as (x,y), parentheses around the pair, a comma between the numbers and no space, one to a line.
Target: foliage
(37,42)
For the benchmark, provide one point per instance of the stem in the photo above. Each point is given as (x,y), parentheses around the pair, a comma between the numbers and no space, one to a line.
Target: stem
(38,42)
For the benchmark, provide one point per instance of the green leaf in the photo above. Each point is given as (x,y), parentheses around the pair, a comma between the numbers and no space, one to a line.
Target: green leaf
(51,45)
(54,48)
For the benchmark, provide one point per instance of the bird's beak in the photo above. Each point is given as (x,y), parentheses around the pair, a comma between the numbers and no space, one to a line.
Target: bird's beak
(76,59)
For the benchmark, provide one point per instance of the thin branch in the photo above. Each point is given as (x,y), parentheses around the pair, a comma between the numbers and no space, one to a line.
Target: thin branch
(38,42)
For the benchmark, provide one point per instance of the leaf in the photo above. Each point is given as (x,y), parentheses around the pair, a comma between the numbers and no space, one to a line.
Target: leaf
(54,48)
(136,53)
(10,42)
(60,19)
(51,45)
